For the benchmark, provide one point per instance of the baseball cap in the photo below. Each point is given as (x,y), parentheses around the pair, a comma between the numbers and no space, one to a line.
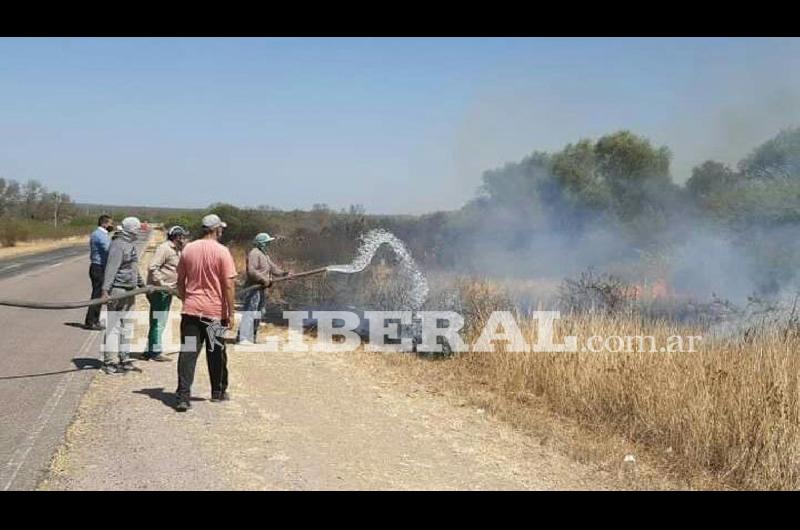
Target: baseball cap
(212,221)
(177,231)
(263,237)
(131,224)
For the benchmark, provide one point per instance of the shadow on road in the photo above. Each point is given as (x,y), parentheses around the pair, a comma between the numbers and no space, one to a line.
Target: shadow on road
(81,363)
(167,398)
(79,325)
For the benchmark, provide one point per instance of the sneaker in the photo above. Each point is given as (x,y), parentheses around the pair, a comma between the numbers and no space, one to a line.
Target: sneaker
(220,396)
(94,327)
(112,369)
(127,366)
(160,358)
(183,405)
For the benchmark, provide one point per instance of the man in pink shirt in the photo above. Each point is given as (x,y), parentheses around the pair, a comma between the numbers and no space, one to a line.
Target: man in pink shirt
(206,274)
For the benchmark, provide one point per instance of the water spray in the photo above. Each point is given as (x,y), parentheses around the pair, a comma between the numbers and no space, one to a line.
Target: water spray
(371,242)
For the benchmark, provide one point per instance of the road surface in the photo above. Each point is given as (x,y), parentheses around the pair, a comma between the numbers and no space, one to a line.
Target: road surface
(19,265)
(46,360)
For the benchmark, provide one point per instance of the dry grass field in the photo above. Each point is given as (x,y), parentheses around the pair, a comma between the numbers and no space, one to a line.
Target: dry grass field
(725,414)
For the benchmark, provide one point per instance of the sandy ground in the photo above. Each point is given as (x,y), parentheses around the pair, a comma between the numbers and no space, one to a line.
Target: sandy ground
(298,421)
(24,248)
(316,421)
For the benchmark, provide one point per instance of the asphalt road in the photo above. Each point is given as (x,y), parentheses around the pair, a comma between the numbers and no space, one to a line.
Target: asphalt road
(14,266)
(46,360)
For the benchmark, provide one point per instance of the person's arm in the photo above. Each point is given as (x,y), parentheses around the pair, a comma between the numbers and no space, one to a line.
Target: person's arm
(255,265)
(230,296)
(104,243)
(112,266)
(274,269)
(180,287)
(159,259)
(228,279)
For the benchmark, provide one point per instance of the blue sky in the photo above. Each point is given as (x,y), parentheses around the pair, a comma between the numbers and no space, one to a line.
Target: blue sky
(398,125)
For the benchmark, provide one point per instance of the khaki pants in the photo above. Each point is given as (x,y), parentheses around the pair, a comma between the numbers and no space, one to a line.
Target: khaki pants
(116,340)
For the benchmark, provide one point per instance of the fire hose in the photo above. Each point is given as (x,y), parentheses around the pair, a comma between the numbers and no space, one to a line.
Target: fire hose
(133,292)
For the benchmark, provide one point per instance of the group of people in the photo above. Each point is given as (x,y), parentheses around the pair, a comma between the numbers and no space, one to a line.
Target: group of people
(200,273)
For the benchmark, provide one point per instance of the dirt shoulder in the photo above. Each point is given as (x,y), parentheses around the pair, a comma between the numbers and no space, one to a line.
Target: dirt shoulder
(299,421)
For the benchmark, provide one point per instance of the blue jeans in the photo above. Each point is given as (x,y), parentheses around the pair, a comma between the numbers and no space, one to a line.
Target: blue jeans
(252,310)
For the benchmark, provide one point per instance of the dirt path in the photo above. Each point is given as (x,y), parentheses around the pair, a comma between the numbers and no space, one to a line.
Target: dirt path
(297,421)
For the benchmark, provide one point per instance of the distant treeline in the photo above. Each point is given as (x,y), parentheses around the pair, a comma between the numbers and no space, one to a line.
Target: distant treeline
(528,215)
(118,212)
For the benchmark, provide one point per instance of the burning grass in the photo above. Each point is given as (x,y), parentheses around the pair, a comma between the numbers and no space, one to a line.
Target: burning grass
(730,410)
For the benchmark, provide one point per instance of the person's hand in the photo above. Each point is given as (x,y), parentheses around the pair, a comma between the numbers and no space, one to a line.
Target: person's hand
(105,296)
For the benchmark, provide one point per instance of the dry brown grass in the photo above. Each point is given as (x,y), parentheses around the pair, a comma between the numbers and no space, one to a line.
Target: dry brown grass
(726,415)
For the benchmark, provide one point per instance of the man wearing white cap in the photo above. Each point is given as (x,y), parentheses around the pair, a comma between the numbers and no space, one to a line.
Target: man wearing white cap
(206,275)
(121,275)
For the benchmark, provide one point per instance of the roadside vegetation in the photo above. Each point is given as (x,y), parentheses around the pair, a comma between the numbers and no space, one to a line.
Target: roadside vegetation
(30,211)
(727,413)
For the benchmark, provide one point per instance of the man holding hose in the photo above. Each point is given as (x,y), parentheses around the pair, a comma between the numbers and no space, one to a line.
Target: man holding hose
(260,270)
(206,275)
(121,275)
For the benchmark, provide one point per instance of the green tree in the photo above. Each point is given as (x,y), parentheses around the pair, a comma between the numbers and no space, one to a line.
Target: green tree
(576,171)
(636,173)
(776,158)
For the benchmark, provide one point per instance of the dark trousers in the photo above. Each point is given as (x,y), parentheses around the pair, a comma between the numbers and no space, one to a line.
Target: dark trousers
(96,273)
(193,336)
